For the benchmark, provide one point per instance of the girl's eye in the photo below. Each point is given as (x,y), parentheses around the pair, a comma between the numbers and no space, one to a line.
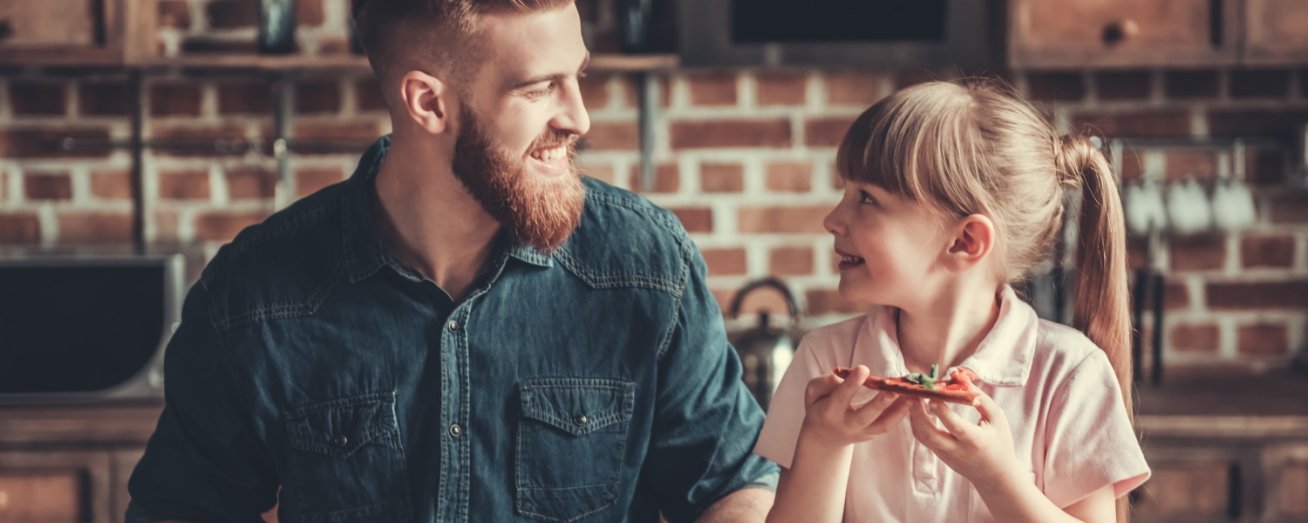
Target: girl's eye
(865,197)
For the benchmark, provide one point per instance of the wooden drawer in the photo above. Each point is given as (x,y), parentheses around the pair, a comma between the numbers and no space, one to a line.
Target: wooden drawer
(51,23)
(1076,33)
(54,487)
(1275,32)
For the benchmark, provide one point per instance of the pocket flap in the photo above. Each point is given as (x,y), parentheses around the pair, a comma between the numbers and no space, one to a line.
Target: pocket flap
(344,425)
(577,405)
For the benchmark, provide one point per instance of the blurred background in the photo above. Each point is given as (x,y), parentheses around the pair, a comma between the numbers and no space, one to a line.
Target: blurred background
(137,136)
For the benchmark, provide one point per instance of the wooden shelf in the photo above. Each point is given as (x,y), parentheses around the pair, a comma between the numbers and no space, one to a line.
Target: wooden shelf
(611,63)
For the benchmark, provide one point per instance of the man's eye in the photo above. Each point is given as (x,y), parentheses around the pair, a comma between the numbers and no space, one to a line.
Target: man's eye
(537,93)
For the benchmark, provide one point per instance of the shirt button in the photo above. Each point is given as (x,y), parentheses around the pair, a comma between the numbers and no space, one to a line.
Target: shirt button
(341,441)
(581,420)
(456,430)
(453,325)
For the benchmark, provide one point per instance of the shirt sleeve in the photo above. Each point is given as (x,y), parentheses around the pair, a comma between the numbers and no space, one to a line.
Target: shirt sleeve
(1091,444)
(706,421)
(786,411)
(203,462)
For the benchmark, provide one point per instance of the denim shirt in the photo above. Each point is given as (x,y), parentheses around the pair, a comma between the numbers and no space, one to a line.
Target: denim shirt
(593,383)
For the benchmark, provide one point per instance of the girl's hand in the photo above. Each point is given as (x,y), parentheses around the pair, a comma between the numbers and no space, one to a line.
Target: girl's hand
(830,418)
(981,452)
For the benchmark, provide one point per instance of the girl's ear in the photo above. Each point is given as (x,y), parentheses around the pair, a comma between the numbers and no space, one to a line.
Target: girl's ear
(973,239)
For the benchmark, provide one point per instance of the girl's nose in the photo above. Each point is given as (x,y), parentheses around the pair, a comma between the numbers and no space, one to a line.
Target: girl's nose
(832,223)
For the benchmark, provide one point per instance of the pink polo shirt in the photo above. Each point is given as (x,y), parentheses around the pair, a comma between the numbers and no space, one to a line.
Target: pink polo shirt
(1070,428)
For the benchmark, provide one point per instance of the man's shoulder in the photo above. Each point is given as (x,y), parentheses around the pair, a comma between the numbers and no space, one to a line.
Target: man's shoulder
(286,259)
(623,237)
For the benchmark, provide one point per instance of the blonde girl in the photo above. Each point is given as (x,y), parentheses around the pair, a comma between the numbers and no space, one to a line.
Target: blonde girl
(953,192)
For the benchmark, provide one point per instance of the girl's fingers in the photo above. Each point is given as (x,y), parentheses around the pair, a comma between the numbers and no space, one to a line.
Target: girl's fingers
(925,430)
(954,423)
(890,417)
(820,387)
(846,391)
(868,412)
(989,410)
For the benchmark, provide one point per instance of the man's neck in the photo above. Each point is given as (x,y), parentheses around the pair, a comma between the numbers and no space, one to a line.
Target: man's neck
(429,222)
(950,328)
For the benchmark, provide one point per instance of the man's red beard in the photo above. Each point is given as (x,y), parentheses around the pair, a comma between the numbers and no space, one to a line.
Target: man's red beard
(535,210)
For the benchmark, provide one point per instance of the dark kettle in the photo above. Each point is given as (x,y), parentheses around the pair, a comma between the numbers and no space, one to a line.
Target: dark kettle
(765,350)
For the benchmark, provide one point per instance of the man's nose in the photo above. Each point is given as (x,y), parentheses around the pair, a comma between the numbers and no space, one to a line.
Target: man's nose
(572,116)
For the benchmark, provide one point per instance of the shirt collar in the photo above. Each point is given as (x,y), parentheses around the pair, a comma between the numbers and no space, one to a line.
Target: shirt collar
(364,252)
(1002,358)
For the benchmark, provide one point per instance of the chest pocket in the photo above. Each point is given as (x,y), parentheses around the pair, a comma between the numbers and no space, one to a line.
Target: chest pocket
(572,437)
(347,462)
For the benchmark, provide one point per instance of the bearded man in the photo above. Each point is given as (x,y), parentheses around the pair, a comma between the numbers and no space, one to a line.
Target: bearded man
(465,330)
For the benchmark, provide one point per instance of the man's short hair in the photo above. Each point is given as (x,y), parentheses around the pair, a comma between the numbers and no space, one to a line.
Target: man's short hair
(437,36)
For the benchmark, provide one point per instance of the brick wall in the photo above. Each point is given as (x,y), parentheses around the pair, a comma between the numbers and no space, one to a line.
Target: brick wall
(744,158)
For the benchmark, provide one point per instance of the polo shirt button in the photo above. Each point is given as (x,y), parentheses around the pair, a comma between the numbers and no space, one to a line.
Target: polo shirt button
(456,430)
(453,326)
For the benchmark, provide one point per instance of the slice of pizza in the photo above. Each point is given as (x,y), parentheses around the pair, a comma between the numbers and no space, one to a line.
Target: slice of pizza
(954,389)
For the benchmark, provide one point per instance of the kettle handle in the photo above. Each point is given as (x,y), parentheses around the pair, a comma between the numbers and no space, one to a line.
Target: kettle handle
(772,283)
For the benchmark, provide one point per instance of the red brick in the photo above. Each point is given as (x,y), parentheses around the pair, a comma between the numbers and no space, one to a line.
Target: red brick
(48,186)
(1147,123)
(46,142)
(603,173)
(1136,252)
(1122,85)
(318,96)
(1175,296)
(1289,207)
(229,14)
(667,178)
(251,183)
(1191,84)
(111,185)
(175,99)
(1285,294)
(791,261)
(1132,166)
(790,176)
(1293,482)
(695,219)
(223,226)
(782,88)
(721,177)
(252,97)
(730,133)
(175,14)
(708,89)
(38,98)
(613,136)
(167,226)
(184,185)
(725,262)
(95,228)
(363,132)
(1260,83)
(1264,166)
(1235,123)
(595,91)
(106,98)
(1058,86)
(1191,163)
(368,96)
(1267,251)
(189,140)
(794,220)
(827,301)
(1200,253)
(910,77)
(826,132)
(1203,337)
(309,13)
(309,180)
(1263,338)
(853,88)
(19,228)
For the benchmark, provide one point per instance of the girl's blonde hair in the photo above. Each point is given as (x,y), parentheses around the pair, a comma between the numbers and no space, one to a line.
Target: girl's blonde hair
(976,147)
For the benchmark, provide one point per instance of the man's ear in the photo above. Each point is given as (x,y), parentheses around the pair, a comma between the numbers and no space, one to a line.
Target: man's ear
(973,239)
(427,100)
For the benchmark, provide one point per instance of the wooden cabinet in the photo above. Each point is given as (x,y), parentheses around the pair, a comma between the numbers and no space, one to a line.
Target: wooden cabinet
(1171,33)
(75,32)
(55,487)
(1276,32)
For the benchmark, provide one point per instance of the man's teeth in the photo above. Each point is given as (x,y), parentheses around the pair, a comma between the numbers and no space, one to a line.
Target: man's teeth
(851,259)
(550,155)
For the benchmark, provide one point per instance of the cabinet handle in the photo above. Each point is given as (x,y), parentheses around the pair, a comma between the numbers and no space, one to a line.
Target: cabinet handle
(1120,31)
(6,29)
